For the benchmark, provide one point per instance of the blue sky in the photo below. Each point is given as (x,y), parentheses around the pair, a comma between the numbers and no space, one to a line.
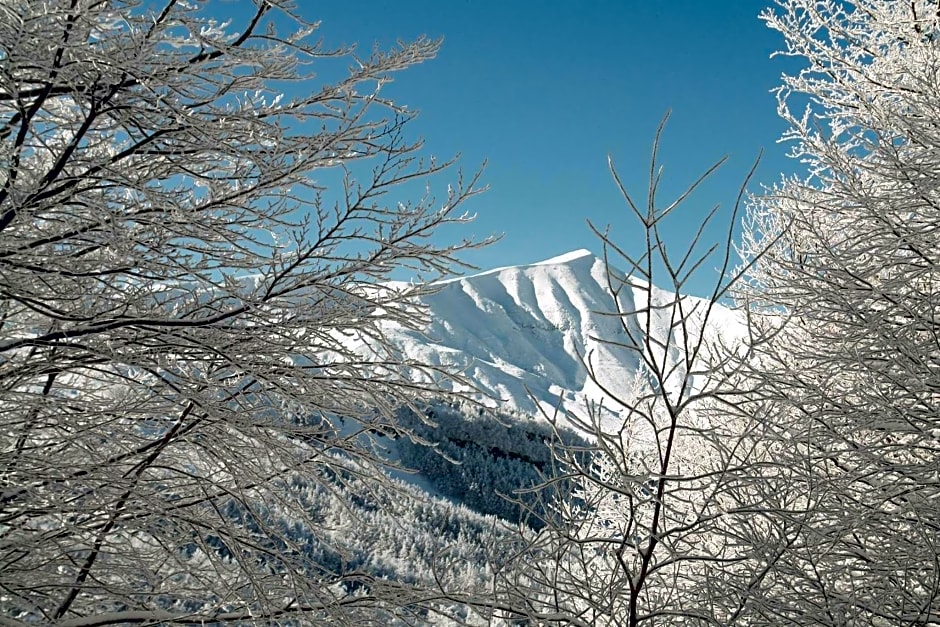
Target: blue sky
(544,91)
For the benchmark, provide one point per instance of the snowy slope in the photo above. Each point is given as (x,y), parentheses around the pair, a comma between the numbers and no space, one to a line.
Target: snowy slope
(525,333)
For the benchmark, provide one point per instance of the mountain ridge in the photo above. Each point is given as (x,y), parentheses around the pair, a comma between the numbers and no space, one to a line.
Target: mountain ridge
(526,335)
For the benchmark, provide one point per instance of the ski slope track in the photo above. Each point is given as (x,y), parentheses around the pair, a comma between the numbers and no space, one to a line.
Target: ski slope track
(525,334)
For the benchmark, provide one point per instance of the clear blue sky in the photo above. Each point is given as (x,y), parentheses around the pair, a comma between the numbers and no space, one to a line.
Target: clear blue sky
(545,90)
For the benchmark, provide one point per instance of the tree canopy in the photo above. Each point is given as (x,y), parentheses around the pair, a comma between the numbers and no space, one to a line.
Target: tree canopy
(196,237)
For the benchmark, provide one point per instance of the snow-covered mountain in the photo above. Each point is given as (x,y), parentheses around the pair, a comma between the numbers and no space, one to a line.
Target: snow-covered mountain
(524,334)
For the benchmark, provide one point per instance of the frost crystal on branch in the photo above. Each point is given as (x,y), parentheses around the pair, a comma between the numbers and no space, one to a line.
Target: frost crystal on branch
(192,233)
(845,282)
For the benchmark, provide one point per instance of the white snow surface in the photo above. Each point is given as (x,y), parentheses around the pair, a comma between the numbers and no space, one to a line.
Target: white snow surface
(524,334)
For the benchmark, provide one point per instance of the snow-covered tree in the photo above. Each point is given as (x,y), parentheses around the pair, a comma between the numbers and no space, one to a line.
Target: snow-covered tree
(846,287)
(647,534)
(194,234)
(797,481)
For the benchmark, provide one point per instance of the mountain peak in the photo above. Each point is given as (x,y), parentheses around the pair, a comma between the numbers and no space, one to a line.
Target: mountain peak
(560,260)
(566,257)
(549,334)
